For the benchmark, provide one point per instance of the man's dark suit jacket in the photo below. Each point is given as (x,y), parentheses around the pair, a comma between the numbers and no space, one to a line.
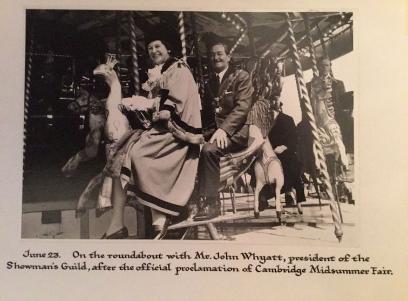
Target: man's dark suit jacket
(235,102)
(284,133)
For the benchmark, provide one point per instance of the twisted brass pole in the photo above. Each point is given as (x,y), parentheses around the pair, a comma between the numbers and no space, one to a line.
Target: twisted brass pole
(318,150)
(182,34)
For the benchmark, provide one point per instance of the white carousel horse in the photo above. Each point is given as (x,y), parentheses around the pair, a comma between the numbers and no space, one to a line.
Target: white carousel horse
(116,124)
(268,168)
(266,78)
(110,118)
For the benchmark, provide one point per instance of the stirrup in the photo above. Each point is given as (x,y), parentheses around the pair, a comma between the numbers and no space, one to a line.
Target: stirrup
(162,233)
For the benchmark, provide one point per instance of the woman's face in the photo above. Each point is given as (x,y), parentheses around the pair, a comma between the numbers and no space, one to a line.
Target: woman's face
(158,52)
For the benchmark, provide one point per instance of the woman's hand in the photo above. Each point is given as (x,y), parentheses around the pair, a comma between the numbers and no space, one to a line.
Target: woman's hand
(139,103)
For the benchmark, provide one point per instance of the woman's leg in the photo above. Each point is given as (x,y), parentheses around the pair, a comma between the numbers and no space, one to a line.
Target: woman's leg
(118,203)
(160,223)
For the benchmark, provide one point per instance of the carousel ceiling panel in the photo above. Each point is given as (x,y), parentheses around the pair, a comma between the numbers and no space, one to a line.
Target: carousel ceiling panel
(212,22)
(269,29)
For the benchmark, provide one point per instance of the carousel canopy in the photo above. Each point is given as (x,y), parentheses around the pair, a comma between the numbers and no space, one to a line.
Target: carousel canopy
(82,33)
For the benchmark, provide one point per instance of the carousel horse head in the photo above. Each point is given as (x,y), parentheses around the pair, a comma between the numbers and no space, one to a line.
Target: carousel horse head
(107,69)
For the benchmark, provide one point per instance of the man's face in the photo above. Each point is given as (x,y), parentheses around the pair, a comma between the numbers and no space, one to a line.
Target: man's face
(324,67)
(219,58)
(276,104)
(158,52)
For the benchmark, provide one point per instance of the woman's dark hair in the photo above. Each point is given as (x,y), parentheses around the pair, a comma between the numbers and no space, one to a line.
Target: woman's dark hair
(169,38)
(164,42)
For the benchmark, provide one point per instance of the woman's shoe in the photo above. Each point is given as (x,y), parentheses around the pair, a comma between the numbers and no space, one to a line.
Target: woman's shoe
(299,208)
(120,234)
(256,214)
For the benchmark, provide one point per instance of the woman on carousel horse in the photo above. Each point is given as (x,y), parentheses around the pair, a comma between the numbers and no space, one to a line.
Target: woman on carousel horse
(158,166)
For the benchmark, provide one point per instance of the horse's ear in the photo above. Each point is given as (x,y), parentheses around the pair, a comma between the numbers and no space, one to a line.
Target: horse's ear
(111,60)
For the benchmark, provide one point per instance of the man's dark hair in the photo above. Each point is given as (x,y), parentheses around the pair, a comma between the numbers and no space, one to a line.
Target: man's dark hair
(323,58)
(226,45)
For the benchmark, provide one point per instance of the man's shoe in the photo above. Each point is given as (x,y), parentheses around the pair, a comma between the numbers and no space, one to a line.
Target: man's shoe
(211,211)
(201,211)
(214,211)
(289,201)
(299,208)
(120,234)
(193,211)
(263,204)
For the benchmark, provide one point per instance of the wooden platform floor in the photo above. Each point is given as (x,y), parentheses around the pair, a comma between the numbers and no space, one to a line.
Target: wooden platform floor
(313,227)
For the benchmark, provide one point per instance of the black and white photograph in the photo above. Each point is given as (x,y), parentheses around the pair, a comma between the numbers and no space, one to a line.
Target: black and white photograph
(190,125)
(203,150)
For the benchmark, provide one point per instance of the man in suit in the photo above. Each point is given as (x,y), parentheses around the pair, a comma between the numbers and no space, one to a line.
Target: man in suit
(283,138)
(228,94)
(340,99)
(326,96)
(337,86)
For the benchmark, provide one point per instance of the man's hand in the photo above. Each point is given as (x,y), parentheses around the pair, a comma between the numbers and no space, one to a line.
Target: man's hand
(220,136)
(280,149)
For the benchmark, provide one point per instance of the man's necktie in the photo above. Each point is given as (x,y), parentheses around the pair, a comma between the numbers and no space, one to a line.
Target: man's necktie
(216,91)
(217,83)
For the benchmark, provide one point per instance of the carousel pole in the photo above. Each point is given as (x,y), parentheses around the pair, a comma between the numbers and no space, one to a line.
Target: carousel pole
(317,149)
(197,53)
(140,210)
(118,50)
(133,47)
(118,35)
(27,90)
(118,45)
(250,35)
(322,42)
(311,47)
(316,74)
(136,80)
(182,35)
